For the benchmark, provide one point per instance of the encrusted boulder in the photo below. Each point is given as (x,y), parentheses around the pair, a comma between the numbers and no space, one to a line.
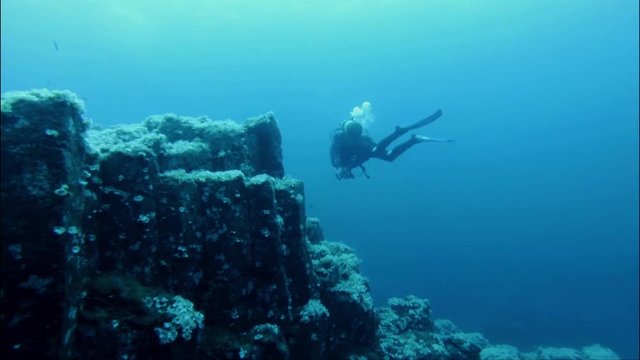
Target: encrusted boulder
(178,237)
(181,238)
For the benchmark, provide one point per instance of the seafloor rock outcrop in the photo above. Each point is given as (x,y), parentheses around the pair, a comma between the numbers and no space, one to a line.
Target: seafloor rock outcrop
(181,238)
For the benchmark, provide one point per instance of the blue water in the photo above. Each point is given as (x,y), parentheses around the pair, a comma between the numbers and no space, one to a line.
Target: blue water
(525,228)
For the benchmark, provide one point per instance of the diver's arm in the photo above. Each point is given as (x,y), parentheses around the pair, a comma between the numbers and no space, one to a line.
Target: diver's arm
(345,173)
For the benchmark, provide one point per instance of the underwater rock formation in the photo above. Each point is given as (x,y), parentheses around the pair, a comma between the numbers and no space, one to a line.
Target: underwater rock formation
(181,238)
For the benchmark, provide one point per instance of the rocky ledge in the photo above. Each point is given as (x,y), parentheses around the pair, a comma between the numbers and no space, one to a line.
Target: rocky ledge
(181,238)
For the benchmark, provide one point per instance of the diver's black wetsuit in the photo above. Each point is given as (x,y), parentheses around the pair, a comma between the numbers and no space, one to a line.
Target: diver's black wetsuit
(348,152)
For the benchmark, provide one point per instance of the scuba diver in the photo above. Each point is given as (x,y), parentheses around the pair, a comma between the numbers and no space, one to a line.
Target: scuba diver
(351,146)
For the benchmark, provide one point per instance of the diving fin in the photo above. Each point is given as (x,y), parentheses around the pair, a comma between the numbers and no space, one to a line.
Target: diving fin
(428,120)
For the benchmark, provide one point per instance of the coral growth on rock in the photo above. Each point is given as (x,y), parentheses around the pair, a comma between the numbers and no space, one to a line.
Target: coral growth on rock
(179,237)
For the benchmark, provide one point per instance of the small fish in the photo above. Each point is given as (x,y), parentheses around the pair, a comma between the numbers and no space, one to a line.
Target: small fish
(55,45)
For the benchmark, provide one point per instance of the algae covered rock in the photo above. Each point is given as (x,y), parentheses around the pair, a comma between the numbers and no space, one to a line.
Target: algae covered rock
(178,237)
(500,352)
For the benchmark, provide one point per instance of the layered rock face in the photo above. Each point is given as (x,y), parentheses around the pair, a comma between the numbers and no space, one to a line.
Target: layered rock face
(180,238)
(174,238)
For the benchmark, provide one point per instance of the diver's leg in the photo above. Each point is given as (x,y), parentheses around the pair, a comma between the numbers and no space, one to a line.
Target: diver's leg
(398,150)
(381,147)
(393,154)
